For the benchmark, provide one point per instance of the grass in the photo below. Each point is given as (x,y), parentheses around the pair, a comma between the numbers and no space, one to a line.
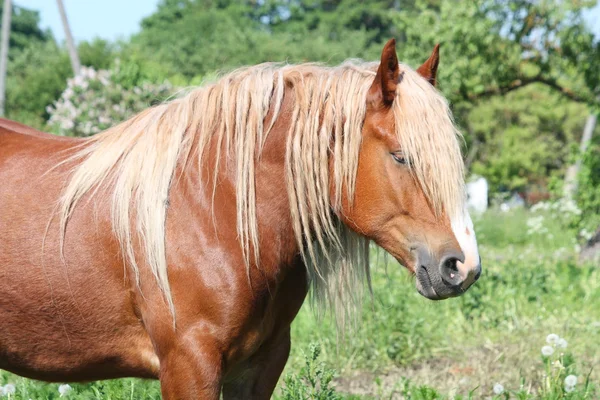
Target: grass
(405,346)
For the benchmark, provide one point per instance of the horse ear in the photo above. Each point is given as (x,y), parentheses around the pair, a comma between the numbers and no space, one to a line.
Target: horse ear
(429,68)
(383,89)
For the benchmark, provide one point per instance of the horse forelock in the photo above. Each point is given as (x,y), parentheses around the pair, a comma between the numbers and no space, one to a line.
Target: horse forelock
(431,142)
(139,157)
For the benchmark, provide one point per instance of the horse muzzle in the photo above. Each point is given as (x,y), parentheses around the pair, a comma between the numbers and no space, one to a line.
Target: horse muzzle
(443,277)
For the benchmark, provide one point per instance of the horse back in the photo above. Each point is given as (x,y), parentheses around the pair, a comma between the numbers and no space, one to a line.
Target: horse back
(9,127)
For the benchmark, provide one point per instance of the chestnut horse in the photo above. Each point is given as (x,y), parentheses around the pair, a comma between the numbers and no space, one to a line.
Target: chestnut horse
(180,244)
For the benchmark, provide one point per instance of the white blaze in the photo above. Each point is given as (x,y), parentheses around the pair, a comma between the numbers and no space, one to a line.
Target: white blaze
(465,235)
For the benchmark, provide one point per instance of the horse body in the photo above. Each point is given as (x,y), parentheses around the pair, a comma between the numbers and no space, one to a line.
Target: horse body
(85,225)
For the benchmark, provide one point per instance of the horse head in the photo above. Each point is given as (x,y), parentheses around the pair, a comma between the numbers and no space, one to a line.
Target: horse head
(409,188)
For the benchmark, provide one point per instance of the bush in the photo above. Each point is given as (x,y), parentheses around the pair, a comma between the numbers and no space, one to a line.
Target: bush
(96,100)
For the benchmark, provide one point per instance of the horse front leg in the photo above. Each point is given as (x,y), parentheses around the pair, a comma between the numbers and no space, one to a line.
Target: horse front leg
(264,369)
(192,369)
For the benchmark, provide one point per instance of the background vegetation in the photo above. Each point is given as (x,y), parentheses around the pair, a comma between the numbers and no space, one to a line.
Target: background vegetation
(521,76)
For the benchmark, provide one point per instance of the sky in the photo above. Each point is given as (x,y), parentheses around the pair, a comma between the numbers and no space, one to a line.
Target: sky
(593,20)
(107,19)
(114,19)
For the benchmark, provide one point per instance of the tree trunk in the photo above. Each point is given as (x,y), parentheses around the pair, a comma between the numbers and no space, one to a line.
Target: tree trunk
(591,251)
(573,171)
(7,12)
(75,63)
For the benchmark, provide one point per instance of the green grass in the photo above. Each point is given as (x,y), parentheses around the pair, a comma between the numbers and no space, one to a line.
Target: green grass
(405,346)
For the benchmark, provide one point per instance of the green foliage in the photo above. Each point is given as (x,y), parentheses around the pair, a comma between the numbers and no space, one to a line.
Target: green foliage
(523,138)
(98,53)
(313,380)
(516,138)
(192,38)
(30,89)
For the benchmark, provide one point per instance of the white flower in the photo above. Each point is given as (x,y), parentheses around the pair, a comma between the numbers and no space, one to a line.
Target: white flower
(77,81)
(571,380)
(64,390)
(498,388)
(67,124)
(547,351)
(552,338)
(68,93)
(9,388)
(562,343)
(569,389)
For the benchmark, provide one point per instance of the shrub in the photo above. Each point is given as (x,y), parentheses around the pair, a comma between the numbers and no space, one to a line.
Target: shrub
(96,100)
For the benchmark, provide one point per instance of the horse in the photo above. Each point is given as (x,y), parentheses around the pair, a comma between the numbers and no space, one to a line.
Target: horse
(180,244)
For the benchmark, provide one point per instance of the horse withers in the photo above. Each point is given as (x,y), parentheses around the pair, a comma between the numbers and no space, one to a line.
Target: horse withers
(181,244)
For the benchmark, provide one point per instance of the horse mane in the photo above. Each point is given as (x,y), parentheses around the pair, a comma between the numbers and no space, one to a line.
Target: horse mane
(137,160)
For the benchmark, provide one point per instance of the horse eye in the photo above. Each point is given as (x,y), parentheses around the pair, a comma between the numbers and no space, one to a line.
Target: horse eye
(399,157)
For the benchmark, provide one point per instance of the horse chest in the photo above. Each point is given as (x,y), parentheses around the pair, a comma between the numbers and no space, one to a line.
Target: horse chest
(268,319)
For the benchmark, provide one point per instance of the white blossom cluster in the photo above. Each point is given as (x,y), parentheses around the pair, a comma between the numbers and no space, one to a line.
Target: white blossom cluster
(562,206)
(563,209)
(93,101)
(554,341)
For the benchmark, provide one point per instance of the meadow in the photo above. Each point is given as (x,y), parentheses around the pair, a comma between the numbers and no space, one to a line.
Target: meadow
(489,343)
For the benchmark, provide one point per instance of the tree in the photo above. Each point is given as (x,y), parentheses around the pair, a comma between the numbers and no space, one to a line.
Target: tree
(524,138)
(73,55)
(25,28)
(519,74)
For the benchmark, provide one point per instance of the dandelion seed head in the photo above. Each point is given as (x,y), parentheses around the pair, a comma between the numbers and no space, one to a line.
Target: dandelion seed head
(9,388)
(552,338)
(498,388)
(562,343)
(547,351)
(571,380)
(64,390)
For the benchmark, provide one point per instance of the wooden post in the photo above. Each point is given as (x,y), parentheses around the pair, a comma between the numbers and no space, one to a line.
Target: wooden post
(6,14)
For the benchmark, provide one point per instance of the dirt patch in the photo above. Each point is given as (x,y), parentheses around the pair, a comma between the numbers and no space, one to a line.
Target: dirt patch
(478,368)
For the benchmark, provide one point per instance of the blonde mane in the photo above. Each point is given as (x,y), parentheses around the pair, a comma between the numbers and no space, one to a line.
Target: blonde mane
(137,161)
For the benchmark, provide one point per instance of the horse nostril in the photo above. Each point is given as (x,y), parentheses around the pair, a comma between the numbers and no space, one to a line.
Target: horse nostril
(449,271)
(450,265)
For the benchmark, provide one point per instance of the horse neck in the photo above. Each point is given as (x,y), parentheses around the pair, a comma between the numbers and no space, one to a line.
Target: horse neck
(278,249)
